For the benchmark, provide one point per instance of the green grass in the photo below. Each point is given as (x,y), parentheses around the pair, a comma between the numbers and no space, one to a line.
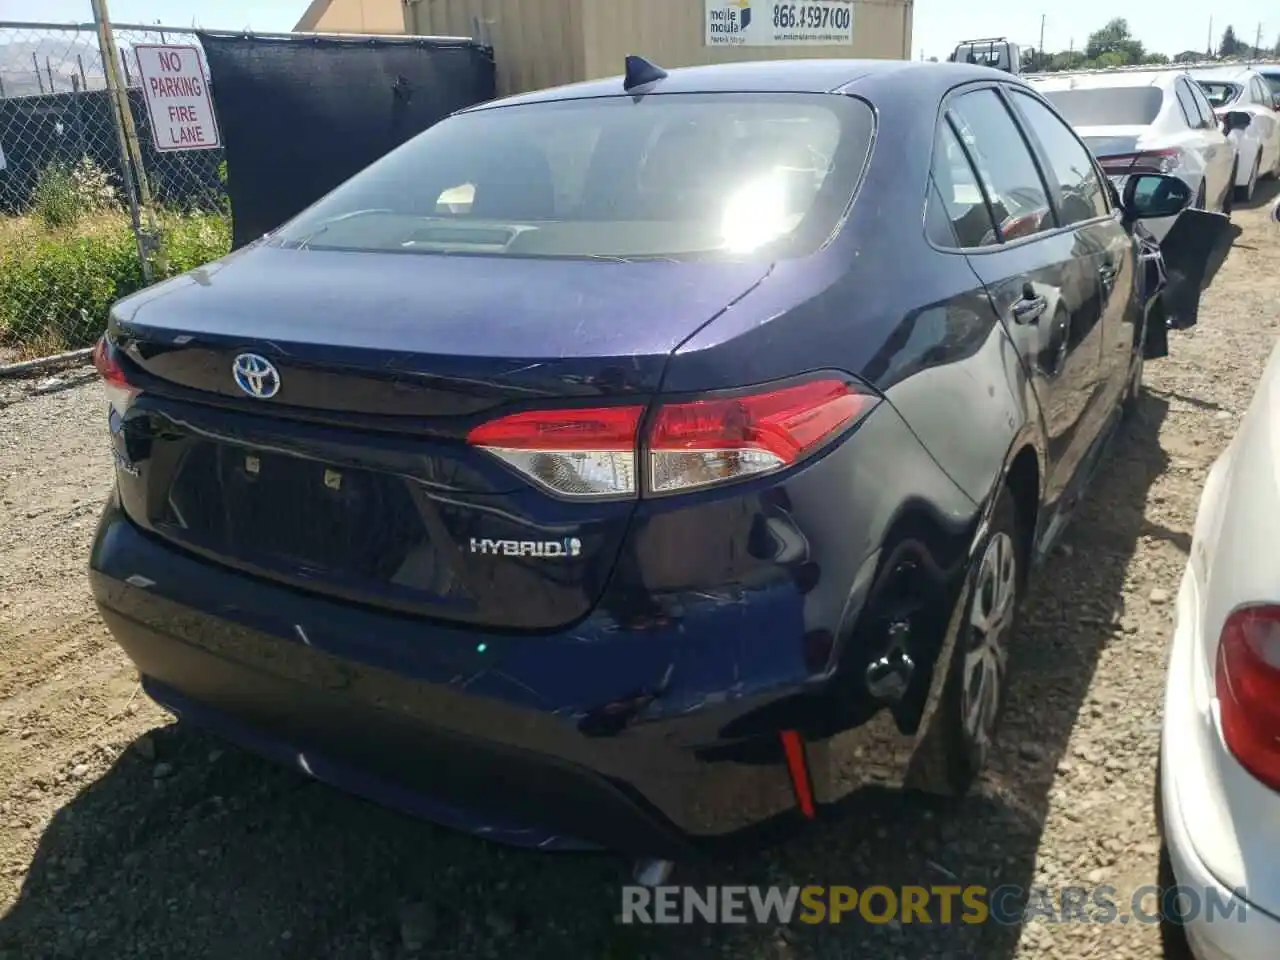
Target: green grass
(59,279)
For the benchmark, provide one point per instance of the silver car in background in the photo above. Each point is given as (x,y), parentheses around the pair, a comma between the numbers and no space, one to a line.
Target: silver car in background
(1150,121)
(1238,87)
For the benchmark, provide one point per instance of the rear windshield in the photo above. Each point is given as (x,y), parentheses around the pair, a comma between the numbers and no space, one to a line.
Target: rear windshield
(1218,93)
(672,177)
(1108,106)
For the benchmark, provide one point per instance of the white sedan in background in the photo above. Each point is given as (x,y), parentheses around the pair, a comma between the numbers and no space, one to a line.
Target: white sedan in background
(1219,792)
(1155,120)
(1240,87)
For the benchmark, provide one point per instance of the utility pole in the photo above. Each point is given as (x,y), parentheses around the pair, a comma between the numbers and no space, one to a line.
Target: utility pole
(1040,49)
(134,173)
(1257,44)
(1208,52)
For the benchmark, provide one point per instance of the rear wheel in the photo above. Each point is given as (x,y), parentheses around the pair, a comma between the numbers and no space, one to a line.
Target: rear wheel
(1246,192)
(974,696)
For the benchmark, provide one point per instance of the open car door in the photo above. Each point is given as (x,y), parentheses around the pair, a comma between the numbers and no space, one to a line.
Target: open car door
(1193,249)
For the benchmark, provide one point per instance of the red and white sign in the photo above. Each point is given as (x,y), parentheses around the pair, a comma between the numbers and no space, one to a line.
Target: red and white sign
(178,100)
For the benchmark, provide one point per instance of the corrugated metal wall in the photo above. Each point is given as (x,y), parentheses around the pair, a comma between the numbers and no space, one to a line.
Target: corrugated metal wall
(672,33)
(542,43)
(537,43)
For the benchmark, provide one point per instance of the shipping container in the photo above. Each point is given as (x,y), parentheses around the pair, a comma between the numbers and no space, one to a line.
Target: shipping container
(544,43)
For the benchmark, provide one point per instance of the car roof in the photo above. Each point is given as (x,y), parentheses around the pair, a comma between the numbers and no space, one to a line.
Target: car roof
(1225,74)
(776,76)
(1105,79)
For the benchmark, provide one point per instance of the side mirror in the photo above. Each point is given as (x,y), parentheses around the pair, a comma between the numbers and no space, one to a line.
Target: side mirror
(1275,101)
(1148,196)
(1275,211)
(1236,120)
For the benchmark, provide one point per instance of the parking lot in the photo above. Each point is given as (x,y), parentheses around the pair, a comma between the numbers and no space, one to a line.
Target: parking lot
(123,835)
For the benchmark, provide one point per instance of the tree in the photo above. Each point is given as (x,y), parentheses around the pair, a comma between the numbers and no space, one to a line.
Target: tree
(1156,58)
(1188,56)
(1066,60)
(1115,43)
(1230,45)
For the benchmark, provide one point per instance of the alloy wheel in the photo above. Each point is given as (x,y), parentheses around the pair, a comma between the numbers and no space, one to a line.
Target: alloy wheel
(990,618)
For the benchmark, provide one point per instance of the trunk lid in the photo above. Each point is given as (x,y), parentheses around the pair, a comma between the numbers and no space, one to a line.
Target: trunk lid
(355,478)
(1113,141)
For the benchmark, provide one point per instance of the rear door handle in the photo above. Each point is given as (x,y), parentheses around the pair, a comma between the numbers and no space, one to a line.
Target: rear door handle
(1029,309)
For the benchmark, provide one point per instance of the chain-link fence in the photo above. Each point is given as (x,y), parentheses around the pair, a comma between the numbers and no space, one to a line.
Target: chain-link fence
(92,207)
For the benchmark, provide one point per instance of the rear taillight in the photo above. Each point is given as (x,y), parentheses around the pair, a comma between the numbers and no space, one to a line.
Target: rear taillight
(1248,685)
(114,380)
(689,445)
(575,453)
(1145,161)
(709,441)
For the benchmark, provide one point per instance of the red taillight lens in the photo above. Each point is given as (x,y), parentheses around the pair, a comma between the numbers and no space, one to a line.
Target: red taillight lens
(708,441)
(114,380)
(1248,685)
(577,453)
(594,452)
(1146,161)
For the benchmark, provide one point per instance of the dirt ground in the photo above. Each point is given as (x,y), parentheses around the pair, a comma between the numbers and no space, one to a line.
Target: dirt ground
(123,835)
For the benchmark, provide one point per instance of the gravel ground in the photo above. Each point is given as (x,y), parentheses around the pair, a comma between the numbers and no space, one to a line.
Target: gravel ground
(123,835)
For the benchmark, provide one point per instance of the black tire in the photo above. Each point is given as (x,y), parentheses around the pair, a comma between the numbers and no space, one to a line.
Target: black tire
(1245,194)
(1201,198)
(960,752)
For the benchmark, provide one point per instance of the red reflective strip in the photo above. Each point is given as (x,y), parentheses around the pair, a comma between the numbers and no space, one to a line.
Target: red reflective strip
(793,746)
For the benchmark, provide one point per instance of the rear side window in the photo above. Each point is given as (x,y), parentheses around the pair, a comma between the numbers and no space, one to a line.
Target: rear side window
(1081,193)
(957,214)
(1208,120)
(680,176)
(1273,81)
(1108,106)
(938,226)
(1003,164)
(1190,112)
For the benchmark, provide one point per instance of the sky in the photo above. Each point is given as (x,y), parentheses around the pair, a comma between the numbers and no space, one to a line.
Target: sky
(1168,26)
(264,16)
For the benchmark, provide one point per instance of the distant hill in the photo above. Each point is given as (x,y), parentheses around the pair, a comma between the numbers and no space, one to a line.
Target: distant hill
(56,55)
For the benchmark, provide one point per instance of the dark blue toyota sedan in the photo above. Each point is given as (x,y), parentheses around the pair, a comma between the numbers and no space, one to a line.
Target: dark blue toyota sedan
(630,463)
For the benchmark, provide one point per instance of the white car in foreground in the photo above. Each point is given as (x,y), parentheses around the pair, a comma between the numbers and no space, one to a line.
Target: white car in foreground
(1239,87)
(1148,121)
(1219,791)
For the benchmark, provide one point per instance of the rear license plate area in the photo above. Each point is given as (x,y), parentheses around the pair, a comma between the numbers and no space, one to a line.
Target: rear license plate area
(250,503)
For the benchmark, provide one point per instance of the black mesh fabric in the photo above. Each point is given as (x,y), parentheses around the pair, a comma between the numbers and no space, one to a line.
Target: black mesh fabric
(301,114)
